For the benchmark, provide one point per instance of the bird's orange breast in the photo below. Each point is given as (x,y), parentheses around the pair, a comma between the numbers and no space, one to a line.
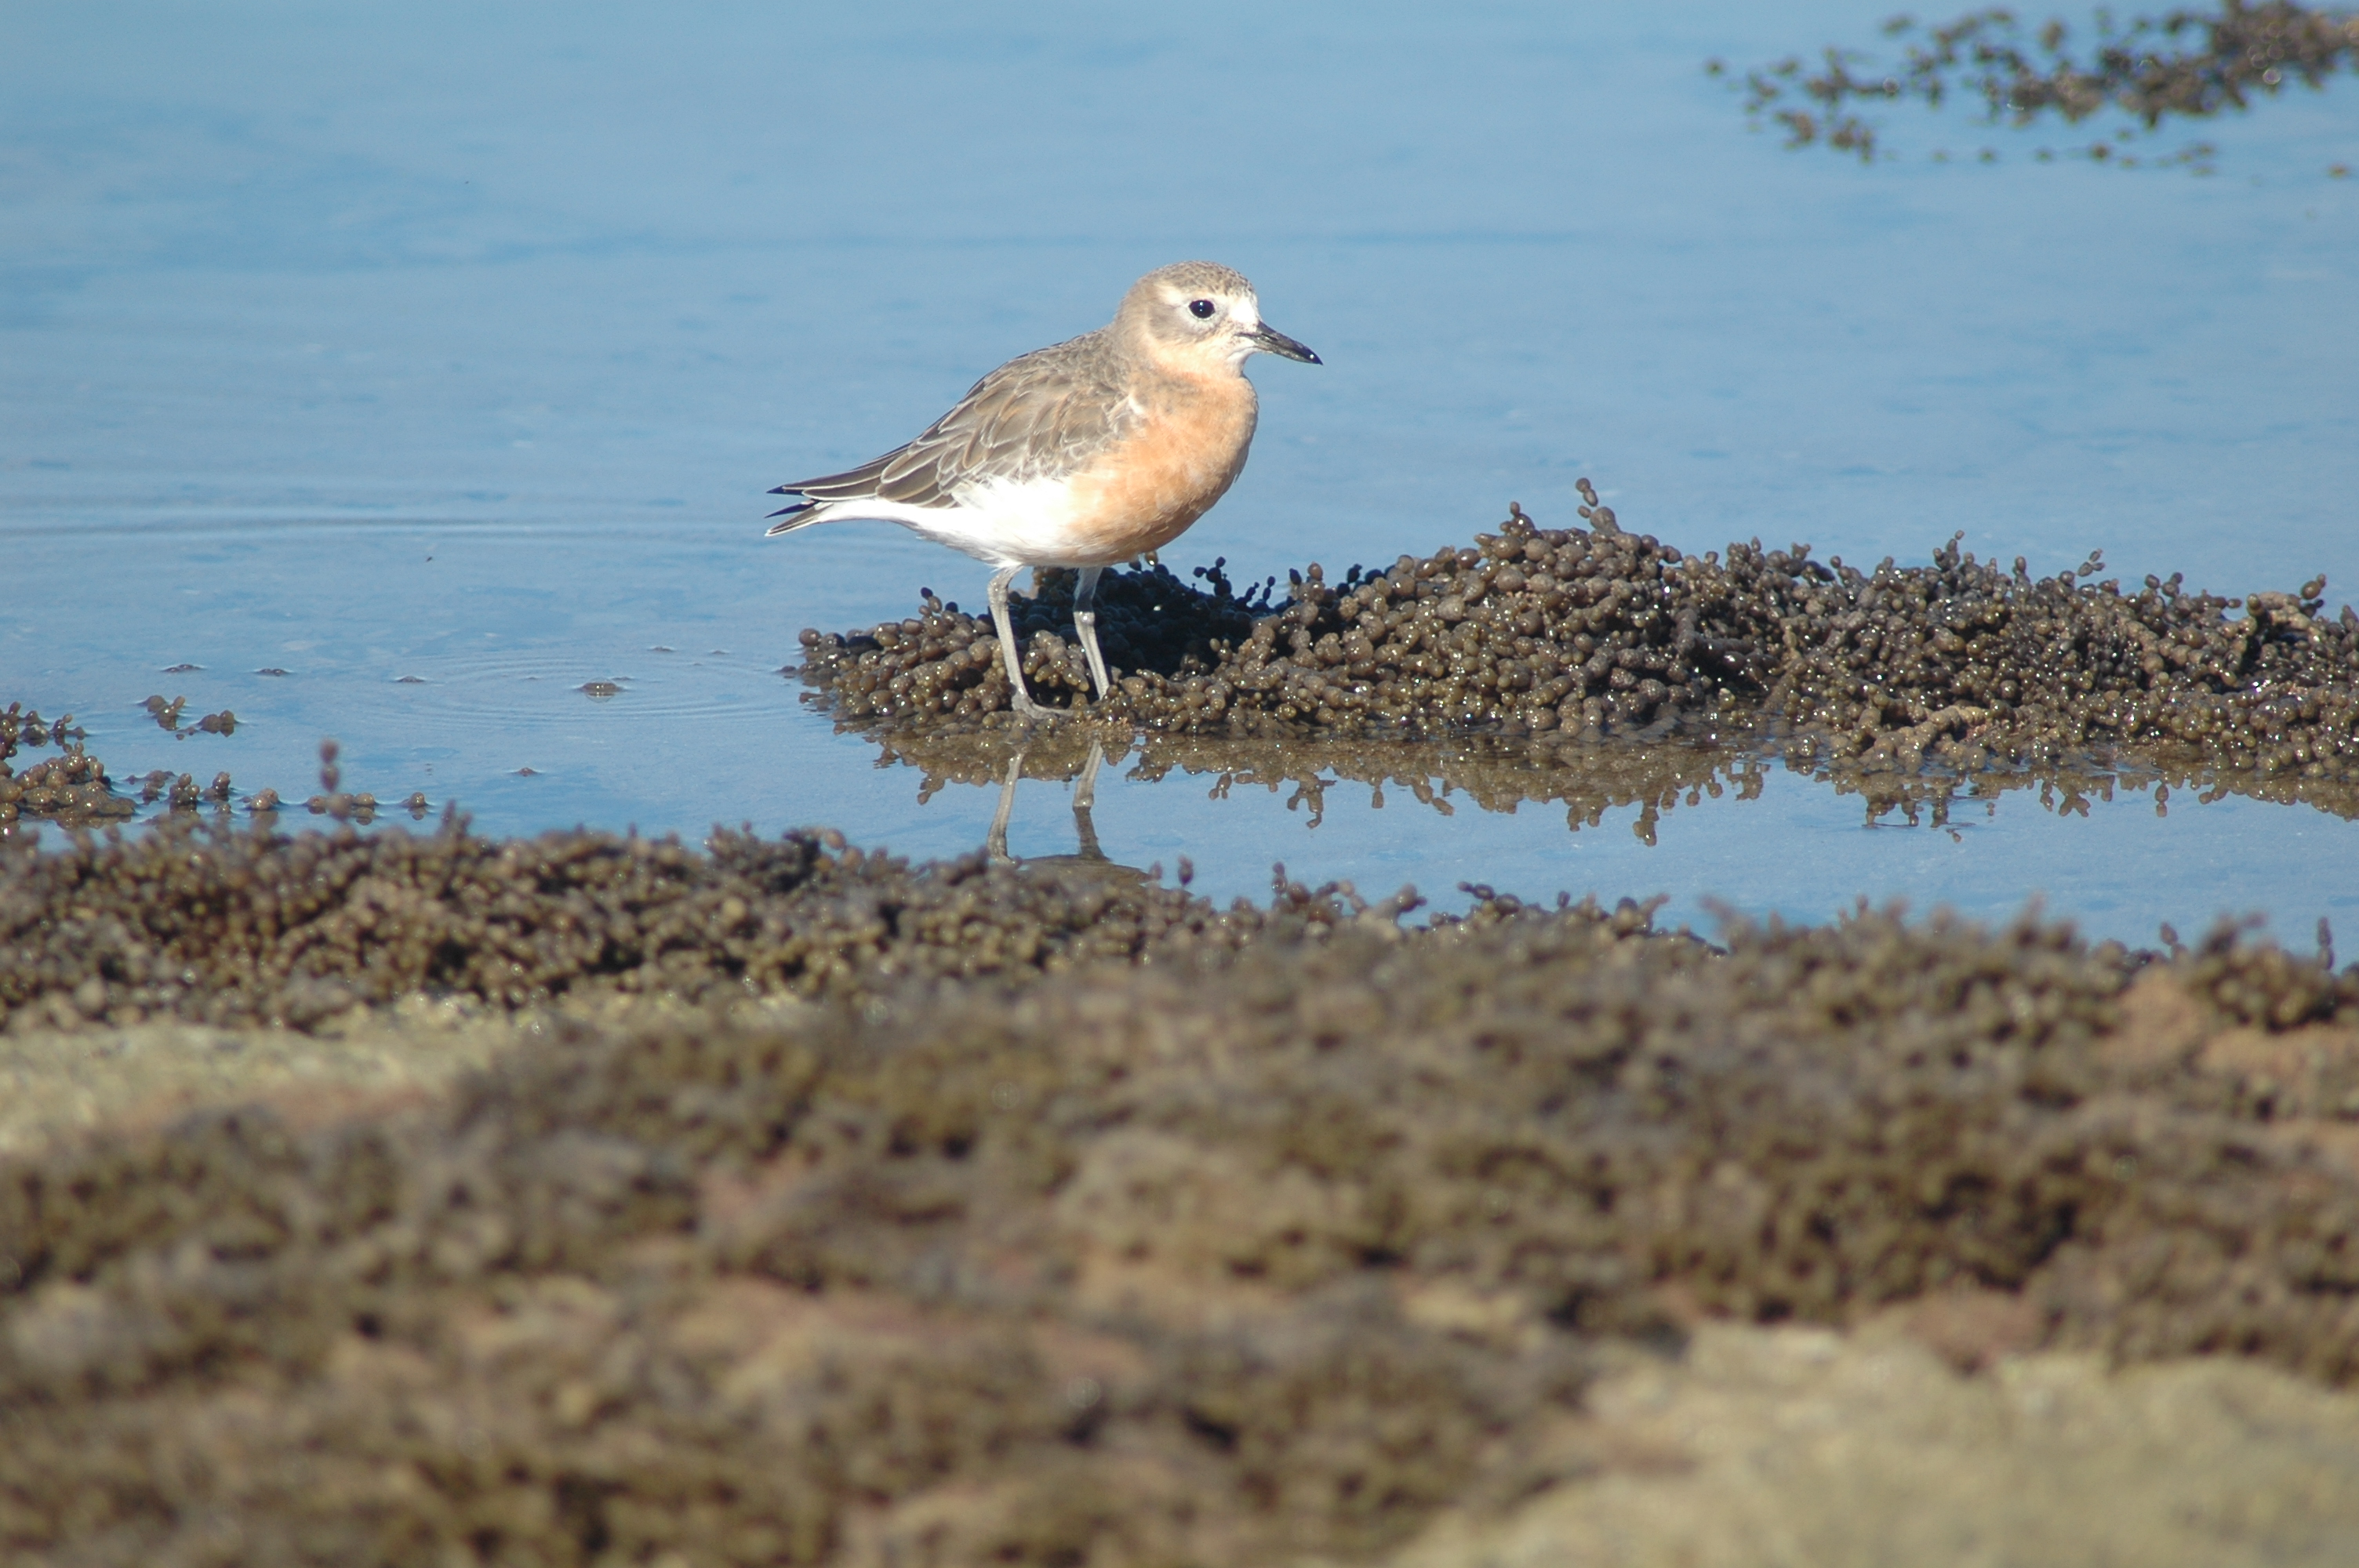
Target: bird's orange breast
(1145,491)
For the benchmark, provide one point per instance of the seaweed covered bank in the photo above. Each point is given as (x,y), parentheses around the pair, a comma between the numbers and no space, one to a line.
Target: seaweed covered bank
(823,1207)
(1582,632)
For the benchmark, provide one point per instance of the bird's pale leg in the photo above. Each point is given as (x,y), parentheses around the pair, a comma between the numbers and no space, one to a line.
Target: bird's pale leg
(994,845)
(1085,621)
(1085,795)
(1020,700)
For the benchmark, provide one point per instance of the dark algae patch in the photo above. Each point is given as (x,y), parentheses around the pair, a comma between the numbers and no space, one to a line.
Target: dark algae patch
(2183,65)
(71,788)
(226,927)
(1075,1221)
(1961,663)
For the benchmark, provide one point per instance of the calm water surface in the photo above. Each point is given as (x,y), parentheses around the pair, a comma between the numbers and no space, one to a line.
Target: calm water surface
(439,358)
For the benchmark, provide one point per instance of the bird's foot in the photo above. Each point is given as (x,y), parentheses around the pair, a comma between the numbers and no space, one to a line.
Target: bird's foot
(1031,712)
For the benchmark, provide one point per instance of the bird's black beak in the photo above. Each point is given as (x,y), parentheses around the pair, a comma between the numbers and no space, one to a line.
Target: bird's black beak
(1269,341)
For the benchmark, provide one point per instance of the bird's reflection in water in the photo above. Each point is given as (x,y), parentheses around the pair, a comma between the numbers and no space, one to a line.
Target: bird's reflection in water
(1087,856)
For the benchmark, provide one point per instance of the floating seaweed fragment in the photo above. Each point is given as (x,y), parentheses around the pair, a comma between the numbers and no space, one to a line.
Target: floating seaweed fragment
(2182,65)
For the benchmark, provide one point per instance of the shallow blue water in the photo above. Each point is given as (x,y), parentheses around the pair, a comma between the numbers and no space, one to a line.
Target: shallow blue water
(373,342)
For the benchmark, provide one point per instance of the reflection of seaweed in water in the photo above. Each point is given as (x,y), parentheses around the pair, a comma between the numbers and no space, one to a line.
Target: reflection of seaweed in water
(1496,773)
(1588,778)
(2144,69)
(1929,799)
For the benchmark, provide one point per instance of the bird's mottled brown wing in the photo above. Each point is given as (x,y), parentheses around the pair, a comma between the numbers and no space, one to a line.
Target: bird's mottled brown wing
(1047,412)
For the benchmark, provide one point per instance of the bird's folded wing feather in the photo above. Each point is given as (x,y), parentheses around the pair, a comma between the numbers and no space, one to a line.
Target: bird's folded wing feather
(1047,413)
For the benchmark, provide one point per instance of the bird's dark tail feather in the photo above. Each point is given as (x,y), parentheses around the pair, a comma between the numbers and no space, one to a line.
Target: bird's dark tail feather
(794,516)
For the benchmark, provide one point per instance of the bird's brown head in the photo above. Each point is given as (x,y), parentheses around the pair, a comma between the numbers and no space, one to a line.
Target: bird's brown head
(1200,318)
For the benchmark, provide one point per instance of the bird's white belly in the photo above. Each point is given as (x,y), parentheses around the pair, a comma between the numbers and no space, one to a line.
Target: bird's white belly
(1005,521)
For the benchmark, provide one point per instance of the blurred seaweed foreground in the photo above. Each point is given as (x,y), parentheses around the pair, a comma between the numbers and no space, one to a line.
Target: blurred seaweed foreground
(828,1208)
(2183,65)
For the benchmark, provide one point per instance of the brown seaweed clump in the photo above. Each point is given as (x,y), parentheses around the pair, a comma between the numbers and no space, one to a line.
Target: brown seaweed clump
(2182,65)
(943,663)
(71,788)
(1127,1268)
(1582,633)
(214,924)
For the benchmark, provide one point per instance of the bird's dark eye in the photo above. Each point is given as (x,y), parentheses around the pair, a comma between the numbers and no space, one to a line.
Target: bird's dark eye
(1200,308)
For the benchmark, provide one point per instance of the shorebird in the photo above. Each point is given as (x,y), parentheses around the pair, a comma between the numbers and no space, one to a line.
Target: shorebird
(1084,454)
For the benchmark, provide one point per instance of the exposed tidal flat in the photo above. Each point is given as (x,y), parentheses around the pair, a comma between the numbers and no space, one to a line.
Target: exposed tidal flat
(393,1193)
